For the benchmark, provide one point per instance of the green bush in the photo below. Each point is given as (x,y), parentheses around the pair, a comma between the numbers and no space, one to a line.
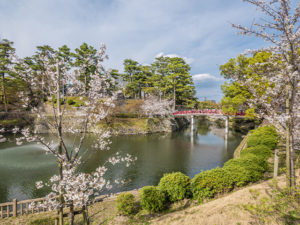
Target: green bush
(70,102)
(254,165)
(176,186)
(209,183)
(54,100)
(262,151)
(250,167)
(125,204)
(263,136)
(152,199)
(239,175)
(77,105)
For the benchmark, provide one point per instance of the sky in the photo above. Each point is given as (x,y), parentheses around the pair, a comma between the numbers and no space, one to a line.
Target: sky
(197,30)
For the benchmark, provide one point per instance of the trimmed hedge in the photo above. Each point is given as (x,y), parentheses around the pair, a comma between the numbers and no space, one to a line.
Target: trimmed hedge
(262,151)
(125,204)
(152,199)
(240,175)
(250,167)
(211,182)
(176,186)
(263,136)
(251,163)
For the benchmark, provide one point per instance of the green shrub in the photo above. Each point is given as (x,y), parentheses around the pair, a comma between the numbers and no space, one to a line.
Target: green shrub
(152,199)
(254,166)
(239,175)
(77,105)
(263,139)
(209,183)
(263,136)
(176,186)
(70,102)
(125,204)
(54,100)
(262,151)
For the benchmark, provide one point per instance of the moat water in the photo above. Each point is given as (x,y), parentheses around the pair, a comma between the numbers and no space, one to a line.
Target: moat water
(157,154)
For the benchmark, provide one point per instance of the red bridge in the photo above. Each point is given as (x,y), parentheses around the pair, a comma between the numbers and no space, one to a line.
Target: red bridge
(204,112)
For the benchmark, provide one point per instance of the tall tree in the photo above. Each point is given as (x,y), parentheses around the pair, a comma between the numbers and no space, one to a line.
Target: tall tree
(134,76)
(86,60)
(6,50)
(237,95)
(281,29)
(176,80)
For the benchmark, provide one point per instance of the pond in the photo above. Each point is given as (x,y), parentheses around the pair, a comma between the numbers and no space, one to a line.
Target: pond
(190,153)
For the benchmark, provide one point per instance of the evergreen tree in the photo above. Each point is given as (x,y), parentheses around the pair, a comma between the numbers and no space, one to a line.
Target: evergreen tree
(175,80)
(6,50)
(82,58)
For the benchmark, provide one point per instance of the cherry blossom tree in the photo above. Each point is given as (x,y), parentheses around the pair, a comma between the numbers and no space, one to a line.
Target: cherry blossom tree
(280,28)
(71,187)
(153,106)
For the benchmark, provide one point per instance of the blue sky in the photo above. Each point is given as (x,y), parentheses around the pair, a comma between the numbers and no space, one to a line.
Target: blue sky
(198,30)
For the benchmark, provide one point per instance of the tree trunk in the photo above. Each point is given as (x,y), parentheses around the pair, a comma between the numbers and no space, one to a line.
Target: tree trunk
(289,157)
(140,91)
(4,92)
(85,85)
(174,97)
(293,87)
(71,215)
(59,133)
(86,219)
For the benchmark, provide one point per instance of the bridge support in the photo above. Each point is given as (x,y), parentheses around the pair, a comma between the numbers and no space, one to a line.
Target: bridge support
(192,129)
(226,142)
(226,125)
(226,132)
(192,123)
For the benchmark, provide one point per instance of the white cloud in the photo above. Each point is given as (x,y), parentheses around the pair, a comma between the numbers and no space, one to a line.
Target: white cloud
(186,59)
(205,76)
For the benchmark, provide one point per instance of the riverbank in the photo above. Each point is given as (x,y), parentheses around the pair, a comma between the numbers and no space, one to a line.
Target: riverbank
(117,125)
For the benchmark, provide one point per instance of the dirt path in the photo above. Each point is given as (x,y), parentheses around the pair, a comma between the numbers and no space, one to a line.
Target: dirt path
(227,210)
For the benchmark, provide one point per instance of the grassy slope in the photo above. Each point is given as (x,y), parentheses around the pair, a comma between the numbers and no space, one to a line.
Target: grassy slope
(222,211)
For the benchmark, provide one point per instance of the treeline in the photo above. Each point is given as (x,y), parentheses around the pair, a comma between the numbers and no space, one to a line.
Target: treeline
(165,78)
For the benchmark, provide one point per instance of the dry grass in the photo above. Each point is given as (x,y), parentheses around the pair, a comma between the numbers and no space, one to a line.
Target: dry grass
(227,210)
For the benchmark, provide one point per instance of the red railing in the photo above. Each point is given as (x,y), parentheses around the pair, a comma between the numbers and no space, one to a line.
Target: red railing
(207,111)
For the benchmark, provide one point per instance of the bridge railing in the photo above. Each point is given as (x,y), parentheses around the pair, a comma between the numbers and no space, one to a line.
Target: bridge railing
(207,111)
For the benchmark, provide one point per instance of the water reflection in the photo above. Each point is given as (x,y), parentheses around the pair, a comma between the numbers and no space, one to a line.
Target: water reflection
(22,166)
